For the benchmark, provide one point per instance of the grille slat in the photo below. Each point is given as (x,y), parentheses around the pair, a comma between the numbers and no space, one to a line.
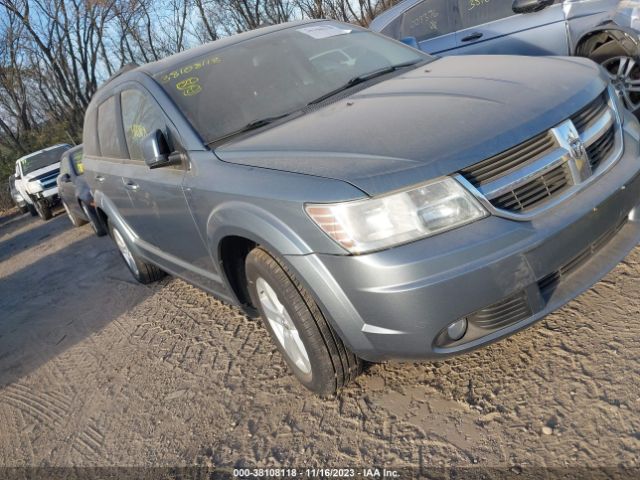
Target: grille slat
(535,192)
(505,162)
(601,149)
(585,117)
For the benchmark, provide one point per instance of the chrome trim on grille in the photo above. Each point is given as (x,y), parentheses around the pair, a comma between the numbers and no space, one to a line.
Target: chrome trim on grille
(570,149)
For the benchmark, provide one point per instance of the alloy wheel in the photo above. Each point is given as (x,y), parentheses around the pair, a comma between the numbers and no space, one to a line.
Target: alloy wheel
(282,326)
(625,76)
(124,250)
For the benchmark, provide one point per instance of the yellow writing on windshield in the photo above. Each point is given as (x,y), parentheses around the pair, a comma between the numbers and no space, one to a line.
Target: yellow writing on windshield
(190,86)
(175,74)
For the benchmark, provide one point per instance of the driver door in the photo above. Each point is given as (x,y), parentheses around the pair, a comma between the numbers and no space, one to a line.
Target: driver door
(492,27)
(159,213)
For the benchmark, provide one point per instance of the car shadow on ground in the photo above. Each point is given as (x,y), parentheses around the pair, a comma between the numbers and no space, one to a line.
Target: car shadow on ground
(41,314)
(30,235)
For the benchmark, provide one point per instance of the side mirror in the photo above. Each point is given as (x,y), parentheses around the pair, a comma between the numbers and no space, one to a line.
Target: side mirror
(65,178)
(411,41)
(530,6)
(156,152)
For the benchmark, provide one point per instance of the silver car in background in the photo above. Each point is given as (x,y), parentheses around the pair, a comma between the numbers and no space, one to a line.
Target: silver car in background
(604,30)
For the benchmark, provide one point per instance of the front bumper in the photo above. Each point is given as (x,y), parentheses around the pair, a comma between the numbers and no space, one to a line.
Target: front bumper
(394,305)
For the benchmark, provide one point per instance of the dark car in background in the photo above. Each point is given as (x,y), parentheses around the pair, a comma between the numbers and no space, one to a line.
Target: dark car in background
(368,200)
(604,30)
(74,192)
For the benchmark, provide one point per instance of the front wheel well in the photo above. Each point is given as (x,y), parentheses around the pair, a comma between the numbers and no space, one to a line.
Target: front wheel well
(233,251)
(604,43)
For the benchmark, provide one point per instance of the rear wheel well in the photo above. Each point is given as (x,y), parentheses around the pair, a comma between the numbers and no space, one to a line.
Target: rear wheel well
(233,252)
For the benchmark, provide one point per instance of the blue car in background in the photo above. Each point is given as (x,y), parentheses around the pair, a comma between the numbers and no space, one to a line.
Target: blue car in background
(604,30)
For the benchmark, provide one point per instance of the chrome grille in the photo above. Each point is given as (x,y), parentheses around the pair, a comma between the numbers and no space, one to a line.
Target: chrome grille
(532,194)
(601,148)
(498,166)
(551,165)
(502,313)
(585,117)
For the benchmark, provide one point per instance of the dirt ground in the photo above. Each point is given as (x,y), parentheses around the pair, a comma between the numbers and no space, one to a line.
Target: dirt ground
(97,370)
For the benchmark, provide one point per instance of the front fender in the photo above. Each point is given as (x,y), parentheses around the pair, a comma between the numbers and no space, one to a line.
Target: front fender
(253,223)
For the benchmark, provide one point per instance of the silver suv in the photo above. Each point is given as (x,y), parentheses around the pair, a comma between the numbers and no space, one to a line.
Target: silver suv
(370,202)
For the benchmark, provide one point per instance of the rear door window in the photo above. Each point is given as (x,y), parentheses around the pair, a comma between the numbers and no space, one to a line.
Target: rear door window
(140,117)
(478,12)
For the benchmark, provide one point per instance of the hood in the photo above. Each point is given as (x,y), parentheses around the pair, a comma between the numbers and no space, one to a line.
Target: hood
(431,121)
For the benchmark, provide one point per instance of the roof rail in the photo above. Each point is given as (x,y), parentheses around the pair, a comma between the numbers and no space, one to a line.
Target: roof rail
(125,68)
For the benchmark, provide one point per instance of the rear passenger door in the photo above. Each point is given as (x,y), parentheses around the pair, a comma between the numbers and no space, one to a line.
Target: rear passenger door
(492,27)
(432,23)
(159,211)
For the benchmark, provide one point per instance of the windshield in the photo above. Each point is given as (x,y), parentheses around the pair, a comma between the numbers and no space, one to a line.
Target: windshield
(275,74)
(42,159)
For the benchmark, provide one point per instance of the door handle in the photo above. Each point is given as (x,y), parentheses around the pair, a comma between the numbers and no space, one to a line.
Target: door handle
(473,36)
(130,185)
(99,178)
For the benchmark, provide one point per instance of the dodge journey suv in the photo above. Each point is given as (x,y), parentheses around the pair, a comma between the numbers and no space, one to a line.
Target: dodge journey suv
(368,201)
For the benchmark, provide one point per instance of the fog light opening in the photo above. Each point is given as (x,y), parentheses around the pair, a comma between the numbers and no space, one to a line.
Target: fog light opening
(457,329)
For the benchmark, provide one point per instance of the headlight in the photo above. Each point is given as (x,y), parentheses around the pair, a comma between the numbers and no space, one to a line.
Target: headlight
(377,223)
(34,186)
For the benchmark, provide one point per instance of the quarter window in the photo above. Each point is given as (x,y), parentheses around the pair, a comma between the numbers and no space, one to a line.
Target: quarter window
(477,12)
(108,130)
(140,117)
(64,165)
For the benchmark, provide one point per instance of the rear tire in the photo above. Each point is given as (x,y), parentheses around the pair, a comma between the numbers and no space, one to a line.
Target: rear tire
(323,363)
(94,220)
(75,220)
(142,271)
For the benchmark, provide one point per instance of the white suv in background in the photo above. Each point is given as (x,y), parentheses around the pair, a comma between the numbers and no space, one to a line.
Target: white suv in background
(36,175)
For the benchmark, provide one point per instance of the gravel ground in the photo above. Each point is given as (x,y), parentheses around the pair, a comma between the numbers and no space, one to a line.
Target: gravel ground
(97,370)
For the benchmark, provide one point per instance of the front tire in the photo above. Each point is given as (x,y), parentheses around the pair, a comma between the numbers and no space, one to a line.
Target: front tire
(94,220)
(311,348)
(142,271)
(32,210)
(75,221)
(44,210)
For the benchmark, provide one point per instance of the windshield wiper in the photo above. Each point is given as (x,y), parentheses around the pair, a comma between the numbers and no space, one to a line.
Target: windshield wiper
(363,78)
(251,126)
